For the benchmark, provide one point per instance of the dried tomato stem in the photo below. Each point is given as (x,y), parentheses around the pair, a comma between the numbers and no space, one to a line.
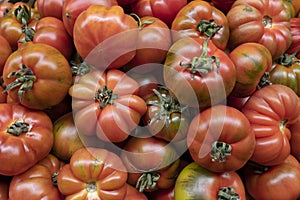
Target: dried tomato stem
(91,186)
(147,180)
(219,151)
(286,59)
(18,127)
(208,27)
(228,193)
(105,96)
(54,178)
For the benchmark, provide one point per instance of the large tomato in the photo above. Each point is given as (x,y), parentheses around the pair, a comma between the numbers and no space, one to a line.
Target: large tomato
(42,177)
(106,104)
(50,8)
(200,19)
(197,73)
(134,194)
(295,31)
(251,60)
(295,139)
(26,137)
(220,139)
(107,49)
(279,182)
(4,188)
(196,182)
(223,5)
(93,173)
(271,110)
(5,51)
(37,76)
(262,21)
(5,8)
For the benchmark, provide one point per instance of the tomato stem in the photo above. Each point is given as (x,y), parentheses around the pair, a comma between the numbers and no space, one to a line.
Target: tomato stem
(91,186)
(228,193)
(219,151)
(18,127)
(286,59)
(54,178)
(208,27)
(22,14)
(147,180)
(267,21)
(105,96)
(264,80)
(140,23)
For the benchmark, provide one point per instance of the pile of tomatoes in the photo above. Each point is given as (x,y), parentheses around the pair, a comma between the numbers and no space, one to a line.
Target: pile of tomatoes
(150,99)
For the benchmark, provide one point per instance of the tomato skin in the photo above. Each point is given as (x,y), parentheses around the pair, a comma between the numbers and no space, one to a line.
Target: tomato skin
(295,31)
(50,8)
(39,177)
(223,5)
(5,51)
(295,139)
(4,8)
(265,22)
(197,89)
(19,153)
(251,60)
(196,182)
(51,70)
(271,110)
(4,188)
(123,113)
(93,173)
(133,193)
(189,17)
(73,8)
(277,182)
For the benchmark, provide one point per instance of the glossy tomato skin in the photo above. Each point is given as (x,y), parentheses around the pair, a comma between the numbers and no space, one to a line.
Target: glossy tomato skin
(196,84)
(251,60)
(20,150)
(40,177)
(295,31)
(223,5)
(4,8)
(196,182)
(4,188)
(265,22)
(49,78)
(117,44)
(200,19)
(73,8)
(295,139)
(133,193)
(5,51)
(271,111)
(122,111)
(276,182)
(93,173)
(50,8)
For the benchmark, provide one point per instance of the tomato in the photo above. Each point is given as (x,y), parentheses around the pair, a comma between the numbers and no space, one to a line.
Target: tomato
(154,40)
(50,8)
(37,76)
(4,8)
(147,176)
(165,117)
(162,9)
(134,194)
(295,139)
(5,51)
(220,139)
(251,60)
(276,182)
(200,19)
(93,173)
(51,31)
(295,31)
(286,71)
(271,110)
(196,182)
(55,112)
(42,177)
(102,98)
(26,138)
(265,22)
(117,46)
(197,73)
(73,8)
(4,188)
(222,5)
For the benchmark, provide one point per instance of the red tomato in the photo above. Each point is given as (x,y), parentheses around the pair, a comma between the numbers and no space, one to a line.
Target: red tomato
(5,8)
(93,173)
(271,110)
(223,5)
(295,31)
(295,139)
(134,194)
(42,177)
(4,188)
(50,8)
(5,51)
(26,137)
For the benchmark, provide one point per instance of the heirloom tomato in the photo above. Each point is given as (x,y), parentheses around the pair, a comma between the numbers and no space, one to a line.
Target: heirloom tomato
(197,73)
(107,49)
(280,182)
(37,76)
(5,8)
(286,71)
(106,104)
(262,21)
(152,163)
(295,31)
(200,19)
(73,8)
(196,182)
(26,137)
(223,5)
(271,110)
(295,139)
(220,139)
(93,173)
(38,182)
(134,194)
(292,6)
(5,51)
(251,60)
(4,188)
(50,8)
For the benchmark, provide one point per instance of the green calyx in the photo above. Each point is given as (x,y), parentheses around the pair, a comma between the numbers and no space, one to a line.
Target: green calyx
(208,27)
(147,180)
(18,127)
(105,96)
(219,151)
(228,193)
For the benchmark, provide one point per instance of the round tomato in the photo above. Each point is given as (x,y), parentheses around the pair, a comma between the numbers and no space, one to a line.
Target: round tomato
(93,173)
(196,182)
(42,177)
(105,104)
(223,5)
(5,51)
(50,8)
(200,19)
(271,110)
(197,73)
(264,22)
(37,76)
(26,137)
(134,194)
